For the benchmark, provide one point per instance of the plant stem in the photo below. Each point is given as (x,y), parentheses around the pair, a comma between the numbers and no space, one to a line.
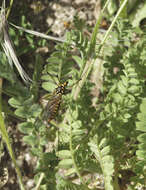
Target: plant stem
(6,139)
(39,181)
(113,22)
(9,9)
(74,163)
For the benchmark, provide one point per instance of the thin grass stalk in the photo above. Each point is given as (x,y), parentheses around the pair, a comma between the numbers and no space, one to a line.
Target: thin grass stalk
(6,139)
(84,76)
(39,181)
(38,34)
(96,29)
(113,22)
(9,9)
(91,53)
(90,62)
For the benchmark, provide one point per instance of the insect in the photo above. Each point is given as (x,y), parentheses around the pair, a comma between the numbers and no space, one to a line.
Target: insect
(52,107)
(67,25)
(54,100)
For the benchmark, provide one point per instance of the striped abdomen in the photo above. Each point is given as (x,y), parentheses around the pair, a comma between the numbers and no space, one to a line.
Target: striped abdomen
(53,104)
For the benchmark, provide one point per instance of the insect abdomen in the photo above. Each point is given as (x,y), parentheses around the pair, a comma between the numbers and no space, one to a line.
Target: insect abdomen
(54,107)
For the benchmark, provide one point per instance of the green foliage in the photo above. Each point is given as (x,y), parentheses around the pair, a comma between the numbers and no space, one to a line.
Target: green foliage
(87,137)
(134,11)
(65,184)
(141,152)
(6,70)
(102,153)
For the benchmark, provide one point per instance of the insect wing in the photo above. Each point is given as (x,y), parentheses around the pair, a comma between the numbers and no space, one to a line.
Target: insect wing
(51,108)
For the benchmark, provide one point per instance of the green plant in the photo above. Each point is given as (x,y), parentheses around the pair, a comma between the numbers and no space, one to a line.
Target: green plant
(87,137)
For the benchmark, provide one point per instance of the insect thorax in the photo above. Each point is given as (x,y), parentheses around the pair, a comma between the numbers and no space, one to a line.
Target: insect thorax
(61,88)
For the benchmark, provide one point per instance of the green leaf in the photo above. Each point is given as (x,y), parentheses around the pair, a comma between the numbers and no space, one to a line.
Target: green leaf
(127,116)
(66,163)
(142,146)
(43,141)
(106,161)
(53,59)
(139,166)
(108,164)
(112,7)
(142,117)
(36,152)
(47,157)
(79,132)
(31,140)
(133,89)
(105,151)
(52,78)
(70,172)
(134,81)
(103,143)
(78,60)
(141,125)
(143,106)
(117,98)
(139,15)
(49,86)
(19,101)
(19,91)
(124,80)
(26,127)
(6,70)
(15,102)
(122,88)
(28,111)
(141,154)
(64,154)
(22,112)
(142,137)
(35,110)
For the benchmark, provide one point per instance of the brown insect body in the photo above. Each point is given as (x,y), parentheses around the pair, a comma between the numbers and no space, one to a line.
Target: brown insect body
(53,104)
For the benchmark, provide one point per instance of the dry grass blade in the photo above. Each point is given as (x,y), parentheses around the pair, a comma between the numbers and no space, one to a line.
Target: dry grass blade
(38,34)
(8,47)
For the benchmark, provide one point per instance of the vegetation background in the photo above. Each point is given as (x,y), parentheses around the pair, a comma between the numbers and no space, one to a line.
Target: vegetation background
(97,140)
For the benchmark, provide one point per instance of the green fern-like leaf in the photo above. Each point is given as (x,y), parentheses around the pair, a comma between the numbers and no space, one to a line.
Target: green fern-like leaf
(105,160)
(141,126)
(65,184)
